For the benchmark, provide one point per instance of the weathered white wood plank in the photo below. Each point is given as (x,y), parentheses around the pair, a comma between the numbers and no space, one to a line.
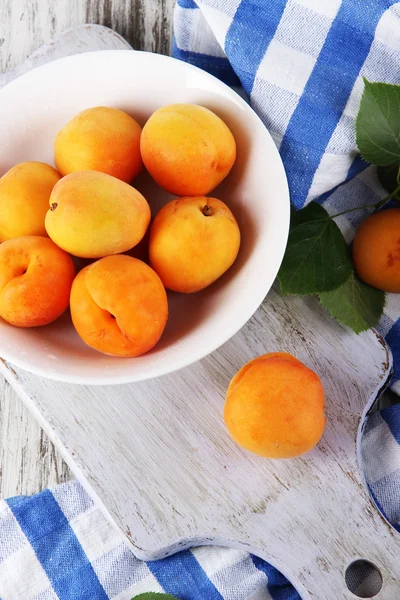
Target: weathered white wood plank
(83,39)
(28,460)
(27,24)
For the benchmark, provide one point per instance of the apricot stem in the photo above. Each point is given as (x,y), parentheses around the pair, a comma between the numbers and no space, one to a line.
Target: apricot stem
(53,206)
(207,210)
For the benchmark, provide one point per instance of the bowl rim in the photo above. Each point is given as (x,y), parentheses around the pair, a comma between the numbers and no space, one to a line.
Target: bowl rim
(123,377)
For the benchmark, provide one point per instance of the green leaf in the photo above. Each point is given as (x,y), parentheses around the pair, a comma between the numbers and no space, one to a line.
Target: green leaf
(317,258)
(154,596)
(389,178)
(378,124)
(356,304)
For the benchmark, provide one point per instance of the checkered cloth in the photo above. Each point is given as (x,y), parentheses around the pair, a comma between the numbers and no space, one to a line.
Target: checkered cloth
(301,63)
(58,546)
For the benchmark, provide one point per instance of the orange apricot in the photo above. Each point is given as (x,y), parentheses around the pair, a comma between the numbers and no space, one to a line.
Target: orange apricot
(193,241)
(100,139)
(24,199)
(275,406)
(119,306)
(35,281)
(93,215)
(376,250)
(187,149)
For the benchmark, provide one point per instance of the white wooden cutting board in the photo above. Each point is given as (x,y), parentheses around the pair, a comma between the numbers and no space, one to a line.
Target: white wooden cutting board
(158,460)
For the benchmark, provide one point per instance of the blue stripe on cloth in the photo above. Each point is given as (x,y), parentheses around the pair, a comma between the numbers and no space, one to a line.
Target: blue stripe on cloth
(327,91)
(380,508)
(278,586)
(249,35)
(357,166)
(391,415)
(393,340)
(57,548)
(216,65)
(181,575)
(187,4)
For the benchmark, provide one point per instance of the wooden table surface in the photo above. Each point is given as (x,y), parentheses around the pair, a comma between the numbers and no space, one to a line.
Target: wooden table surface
(28,460)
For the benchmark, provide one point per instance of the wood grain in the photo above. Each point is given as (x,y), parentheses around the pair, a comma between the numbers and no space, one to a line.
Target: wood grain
(27,24)
(28,460)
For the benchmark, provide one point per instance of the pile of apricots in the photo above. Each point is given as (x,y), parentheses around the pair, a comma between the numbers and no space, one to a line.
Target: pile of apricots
(86,208)
(85,213)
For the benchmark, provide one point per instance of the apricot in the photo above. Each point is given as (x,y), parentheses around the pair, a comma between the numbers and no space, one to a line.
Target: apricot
(93,215)
(275,406)
(187,149)
(376,250)
(193,241)
(100,139)
(24,199)
(119,306)
(35,281)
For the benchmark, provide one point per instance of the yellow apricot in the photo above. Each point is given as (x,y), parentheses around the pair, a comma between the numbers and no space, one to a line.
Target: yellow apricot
(93,215)
(100,139)
(193,241)
(187,149)
(24,199)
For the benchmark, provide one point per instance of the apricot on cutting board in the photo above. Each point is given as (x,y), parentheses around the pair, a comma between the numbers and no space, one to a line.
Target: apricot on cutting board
(187,149)
(376,250)
(24,199)
(100,139)
(93,215)
(193,241)
(275,406)
(35,281)
(119,306)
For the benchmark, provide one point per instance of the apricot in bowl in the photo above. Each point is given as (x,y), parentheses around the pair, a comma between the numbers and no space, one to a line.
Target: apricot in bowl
(193,241)
(102,139)
(187,149)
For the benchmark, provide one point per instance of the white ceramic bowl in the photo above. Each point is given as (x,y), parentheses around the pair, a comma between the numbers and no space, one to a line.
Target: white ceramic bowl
(34,107)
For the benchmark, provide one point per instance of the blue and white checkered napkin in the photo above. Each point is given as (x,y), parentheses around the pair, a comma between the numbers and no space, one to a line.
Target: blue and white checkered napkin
(301,63)
(58,545)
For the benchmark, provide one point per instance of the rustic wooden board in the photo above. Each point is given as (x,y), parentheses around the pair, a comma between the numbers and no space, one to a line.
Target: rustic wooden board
(25,25)
(29,461)
(158,460)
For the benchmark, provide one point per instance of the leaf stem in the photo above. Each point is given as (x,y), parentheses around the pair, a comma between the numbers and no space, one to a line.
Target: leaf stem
(377,205)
